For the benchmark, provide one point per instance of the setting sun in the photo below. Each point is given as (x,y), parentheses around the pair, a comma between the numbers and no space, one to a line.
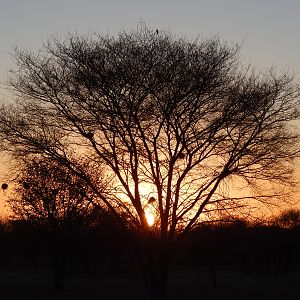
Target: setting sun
(150,217)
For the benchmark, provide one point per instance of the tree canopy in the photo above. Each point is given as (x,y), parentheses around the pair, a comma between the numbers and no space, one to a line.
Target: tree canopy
(173,123)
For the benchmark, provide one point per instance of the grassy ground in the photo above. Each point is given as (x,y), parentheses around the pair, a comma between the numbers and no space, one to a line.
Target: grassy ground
(186,282)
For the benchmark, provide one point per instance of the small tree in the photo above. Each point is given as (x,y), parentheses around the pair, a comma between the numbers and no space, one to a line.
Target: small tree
(50,196)
(55,201)
(177,118)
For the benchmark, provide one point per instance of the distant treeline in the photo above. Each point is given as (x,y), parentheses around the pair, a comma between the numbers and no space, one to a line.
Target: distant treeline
(264,249)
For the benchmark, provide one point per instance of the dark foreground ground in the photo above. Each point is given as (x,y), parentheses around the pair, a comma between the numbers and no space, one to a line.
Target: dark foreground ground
(186,282)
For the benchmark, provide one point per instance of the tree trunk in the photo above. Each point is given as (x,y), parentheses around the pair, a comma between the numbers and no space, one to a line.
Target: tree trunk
(213,276)
(57,263)
(156,268)
(159,285)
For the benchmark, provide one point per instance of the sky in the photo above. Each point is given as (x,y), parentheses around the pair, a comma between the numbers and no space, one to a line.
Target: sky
(267,29)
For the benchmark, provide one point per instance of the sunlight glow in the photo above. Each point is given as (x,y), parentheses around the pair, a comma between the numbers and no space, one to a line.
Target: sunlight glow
(148,199)
(150,217)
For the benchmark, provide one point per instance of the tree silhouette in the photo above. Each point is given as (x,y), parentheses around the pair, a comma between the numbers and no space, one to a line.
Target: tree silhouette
(179,119)
(58,203)
(289,219)
(50,195)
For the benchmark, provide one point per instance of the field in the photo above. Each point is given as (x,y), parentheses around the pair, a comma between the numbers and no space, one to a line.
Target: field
(186,282)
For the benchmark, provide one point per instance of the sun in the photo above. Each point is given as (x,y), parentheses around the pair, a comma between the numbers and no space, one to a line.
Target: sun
(149,216)
(147,194)
(146,191)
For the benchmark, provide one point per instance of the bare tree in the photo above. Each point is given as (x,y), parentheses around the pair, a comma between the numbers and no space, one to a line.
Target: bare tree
(178,124)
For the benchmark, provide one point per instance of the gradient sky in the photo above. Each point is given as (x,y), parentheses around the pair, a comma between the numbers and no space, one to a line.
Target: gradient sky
(268,29)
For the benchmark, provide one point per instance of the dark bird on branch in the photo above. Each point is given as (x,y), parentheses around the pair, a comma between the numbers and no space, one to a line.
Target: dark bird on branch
(151,200)
(4,186)
(89,135)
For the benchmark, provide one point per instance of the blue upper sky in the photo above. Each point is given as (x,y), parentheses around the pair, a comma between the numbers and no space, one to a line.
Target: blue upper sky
(268,29)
